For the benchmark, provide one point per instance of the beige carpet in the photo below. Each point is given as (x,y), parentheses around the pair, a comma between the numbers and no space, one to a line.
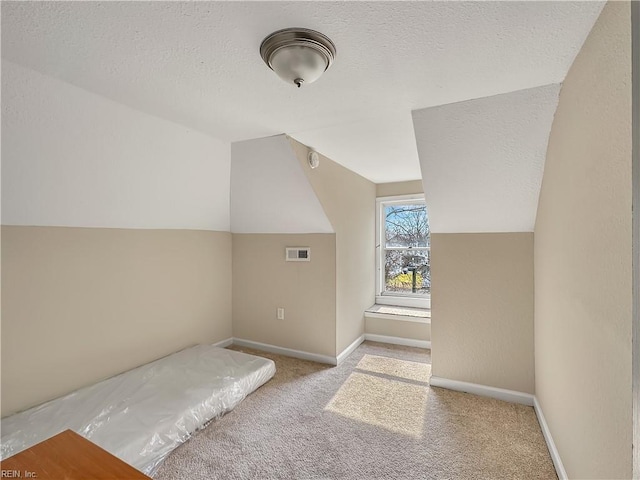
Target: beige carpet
(373,417)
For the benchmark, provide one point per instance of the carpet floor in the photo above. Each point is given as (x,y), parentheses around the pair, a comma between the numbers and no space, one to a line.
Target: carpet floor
(373,417)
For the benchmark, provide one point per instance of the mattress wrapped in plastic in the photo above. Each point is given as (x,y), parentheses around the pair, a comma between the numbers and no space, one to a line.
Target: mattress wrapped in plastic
(141,415)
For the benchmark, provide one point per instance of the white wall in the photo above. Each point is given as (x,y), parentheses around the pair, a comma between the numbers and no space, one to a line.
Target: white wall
(482,160)
(583,279)
(270,192)
(73,158)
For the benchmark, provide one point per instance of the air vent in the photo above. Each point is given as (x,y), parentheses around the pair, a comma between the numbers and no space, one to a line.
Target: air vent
(298,254)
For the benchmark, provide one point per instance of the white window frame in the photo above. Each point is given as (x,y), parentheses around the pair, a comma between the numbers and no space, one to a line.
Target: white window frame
(399,299)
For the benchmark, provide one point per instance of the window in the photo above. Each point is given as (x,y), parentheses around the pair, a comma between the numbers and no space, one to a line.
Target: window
(403,246)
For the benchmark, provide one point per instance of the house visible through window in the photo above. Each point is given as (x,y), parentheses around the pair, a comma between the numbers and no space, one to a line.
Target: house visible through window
(404,273)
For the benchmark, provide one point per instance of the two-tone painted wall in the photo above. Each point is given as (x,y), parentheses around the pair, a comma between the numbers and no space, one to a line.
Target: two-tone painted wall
(115,240)
(126,237)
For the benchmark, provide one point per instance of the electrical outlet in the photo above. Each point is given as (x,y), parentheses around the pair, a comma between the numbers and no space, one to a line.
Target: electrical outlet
(280,313)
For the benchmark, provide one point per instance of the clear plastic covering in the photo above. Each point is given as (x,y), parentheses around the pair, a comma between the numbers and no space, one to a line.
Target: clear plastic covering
(141,415)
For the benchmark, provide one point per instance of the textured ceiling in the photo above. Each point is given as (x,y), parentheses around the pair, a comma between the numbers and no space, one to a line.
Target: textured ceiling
(197,63)
(482,160)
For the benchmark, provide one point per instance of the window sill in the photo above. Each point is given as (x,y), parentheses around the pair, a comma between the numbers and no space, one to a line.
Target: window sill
(403,301)
(403,314)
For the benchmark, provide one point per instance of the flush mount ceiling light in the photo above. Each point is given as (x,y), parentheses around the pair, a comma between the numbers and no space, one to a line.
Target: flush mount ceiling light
(298,55)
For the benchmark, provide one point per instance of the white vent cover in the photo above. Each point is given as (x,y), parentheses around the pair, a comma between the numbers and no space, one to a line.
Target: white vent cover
(298,254)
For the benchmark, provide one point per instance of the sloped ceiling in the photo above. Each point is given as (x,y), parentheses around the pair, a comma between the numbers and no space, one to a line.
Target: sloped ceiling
(72,158)
(197,64)
(270,192)
(482,160)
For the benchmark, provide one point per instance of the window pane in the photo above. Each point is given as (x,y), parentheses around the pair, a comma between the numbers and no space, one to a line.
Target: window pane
(407,271)
(406,225)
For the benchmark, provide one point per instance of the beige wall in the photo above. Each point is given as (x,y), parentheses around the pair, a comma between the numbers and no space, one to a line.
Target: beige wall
(399,188)
(583,259)
(83,304)
(397,328)
(349,202)
(264,281)
(635,28)
(482,309)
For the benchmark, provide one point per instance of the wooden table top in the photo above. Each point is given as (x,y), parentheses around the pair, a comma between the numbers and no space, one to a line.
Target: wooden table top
(68,456)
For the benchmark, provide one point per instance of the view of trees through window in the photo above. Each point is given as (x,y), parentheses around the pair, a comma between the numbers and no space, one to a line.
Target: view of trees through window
(407,249)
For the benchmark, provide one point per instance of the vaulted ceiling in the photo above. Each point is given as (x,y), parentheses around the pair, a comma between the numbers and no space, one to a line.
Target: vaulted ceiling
(197,64)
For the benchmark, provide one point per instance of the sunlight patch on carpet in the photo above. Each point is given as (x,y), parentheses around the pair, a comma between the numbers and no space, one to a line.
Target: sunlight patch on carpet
(395,367)
(395,405)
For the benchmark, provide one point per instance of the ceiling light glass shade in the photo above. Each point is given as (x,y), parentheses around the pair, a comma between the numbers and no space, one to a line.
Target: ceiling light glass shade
(297,62)
(298,55)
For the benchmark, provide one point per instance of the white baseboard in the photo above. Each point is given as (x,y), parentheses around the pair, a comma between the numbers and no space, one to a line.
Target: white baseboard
(508,396)
(349,350)
(315,357)
(407,342)
(553,451)
(224,343)
(475,388)
(483,390)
